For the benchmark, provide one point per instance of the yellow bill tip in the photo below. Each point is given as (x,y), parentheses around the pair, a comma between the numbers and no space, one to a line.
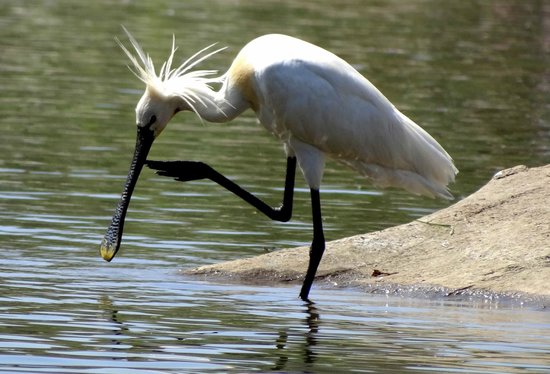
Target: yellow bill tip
(107,251)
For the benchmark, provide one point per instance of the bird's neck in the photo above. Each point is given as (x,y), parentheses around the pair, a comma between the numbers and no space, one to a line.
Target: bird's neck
(221,106)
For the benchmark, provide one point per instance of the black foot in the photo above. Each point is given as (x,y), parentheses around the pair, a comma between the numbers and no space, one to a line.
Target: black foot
(183,171)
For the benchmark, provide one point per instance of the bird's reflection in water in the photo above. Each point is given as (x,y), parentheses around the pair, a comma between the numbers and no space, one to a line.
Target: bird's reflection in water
(111,314)
(295,345)
(312,321)
(281,346)
(312,324)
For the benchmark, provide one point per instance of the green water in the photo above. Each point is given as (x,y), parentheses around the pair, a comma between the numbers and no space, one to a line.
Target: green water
(475,74)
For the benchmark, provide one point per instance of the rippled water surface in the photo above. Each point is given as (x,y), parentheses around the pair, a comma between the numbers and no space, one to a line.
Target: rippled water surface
(475,74)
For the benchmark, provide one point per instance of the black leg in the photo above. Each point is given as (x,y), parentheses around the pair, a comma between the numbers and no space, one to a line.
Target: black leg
(193,170)
(317,245)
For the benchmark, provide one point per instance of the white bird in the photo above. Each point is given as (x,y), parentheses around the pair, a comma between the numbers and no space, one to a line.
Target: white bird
(314,102)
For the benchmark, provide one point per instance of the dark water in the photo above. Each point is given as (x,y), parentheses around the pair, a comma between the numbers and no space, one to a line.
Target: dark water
(475,74)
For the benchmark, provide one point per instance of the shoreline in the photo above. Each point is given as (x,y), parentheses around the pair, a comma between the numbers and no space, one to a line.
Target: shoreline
(495,241)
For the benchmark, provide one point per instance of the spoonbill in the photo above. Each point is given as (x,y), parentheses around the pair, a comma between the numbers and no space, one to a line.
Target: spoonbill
(311,100)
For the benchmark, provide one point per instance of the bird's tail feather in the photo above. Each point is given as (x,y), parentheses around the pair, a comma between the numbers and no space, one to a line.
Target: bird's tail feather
(413,182)
(417,162)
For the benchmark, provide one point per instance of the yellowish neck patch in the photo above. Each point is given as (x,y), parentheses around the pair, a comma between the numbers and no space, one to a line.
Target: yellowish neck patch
(240,74)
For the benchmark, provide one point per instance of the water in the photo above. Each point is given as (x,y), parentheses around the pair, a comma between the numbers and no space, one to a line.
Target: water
(150,320)
(473,73)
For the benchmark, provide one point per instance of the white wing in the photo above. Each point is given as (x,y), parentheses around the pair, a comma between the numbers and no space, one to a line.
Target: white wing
(310,96)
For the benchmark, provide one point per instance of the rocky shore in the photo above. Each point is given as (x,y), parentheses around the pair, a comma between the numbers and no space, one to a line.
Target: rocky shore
(497,240)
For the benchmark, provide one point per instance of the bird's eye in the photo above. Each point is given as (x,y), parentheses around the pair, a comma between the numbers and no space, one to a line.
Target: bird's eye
(152,120)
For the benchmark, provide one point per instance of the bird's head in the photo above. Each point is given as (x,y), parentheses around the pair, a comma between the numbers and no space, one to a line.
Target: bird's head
(172,89)
(154,110)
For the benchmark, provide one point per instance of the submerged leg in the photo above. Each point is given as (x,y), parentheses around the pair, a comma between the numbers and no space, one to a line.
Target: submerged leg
(194,170)
(317,245)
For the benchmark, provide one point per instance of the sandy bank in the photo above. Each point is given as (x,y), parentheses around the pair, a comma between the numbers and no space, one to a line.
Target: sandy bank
(497,240)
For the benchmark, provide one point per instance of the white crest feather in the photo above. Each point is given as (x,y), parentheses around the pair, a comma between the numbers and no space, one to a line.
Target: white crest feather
(191,86)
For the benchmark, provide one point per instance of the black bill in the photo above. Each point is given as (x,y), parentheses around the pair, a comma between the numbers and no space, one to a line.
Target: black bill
(111,241)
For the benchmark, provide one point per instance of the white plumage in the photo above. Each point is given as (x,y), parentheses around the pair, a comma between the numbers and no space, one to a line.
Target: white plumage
(316,103)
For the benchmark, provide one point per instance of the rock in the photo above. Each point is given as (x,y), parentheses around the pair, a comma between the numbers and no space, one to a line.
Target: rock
(496,240)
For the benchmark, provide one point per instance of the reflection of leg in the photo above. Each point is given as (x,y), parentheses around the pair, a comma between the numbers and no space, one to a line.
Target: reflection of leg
(317,245)
(194,170)
(308,354)
(312,321)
